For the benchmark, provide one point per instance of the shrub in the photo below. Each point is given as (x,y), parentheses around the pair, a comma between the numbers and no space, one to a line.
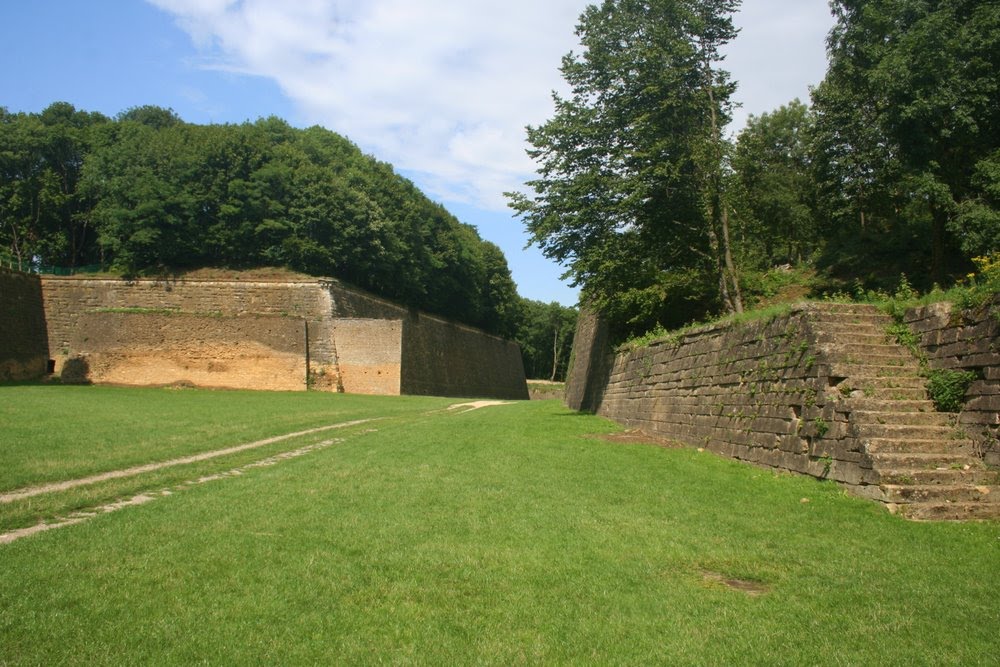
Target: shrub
(947,388)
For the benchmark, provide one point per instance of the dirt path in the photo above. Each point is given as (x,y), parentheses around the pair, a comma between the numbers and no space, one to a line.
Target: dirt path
(28,492)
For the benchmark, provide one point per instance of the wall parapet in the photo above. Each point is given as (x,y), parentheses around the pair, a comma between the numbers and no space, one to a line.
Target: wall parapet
(268,334)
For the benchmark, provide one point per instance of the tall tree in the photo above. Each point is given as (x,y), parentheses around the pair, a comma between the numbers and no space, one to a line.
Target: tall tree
(775,192)
(545,335)
(630,189)
(907,120)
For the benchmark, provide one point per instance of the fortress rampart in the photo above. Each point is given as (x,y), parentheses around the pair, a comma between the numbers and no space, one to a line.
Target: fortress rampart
(249,334)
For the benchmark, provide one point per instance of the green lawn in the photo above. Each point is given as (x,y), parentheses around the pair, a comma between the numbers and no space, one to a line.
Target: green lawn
(502,535)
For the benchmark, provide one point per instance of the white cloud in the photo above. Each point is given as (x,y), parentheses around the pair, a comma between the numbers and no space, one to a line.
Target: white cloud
(444,88)
(441,89)
(779,54)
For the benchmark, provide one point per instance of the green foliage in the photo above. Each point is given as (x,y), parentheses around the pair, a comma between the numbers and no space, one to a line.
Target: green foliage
(652,336)
(147,193)
(545,334)
(907,132)
(905,336)
(630,190)
(947,388)
(774,187)
(504,535)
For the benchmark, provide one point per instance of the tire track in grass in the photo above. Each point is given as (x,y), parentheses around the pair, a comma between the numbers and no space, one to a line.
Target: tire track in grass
(30,491)
(143,498)
(149,496)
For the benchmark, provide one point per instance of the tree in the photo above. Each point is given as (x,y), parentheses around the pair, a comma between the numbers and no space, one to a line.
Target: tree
(43,218)
(907,122)
(775,191)
(630,193)
(545,334)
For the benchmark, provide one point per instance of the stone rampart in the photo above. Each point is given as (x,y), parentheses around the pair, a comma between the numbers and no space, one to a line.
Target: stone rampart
(237,352)
(214,332)
(588,371)
(111,330)
(370,355)
(442,358)
(756,392)
(970,341)
(24,352)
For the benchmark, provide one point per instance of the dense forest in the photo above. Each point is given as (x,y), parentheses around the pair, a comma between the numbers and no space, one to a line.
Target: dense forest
(147,194)
(891,176)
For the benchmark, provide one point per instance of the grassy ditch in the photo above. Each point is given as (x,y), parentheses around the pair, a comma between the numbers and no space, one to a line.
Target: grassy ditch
(508,534)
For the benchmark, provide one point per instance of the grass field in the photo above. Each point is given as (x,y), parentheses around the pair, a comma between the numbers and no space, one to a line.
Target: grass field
(507,534)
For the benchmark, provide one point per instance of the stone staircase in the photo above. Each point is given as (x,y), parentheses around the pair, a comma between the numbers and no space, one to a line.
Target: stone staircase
(922,465)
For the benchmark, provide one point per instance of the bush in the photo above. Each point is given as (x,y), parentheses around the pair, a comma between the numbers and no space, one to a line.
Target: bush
(947,388)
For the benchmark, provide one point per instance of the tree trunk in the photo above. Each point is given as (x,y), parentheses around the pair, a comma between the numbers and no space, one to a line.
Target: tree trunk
(737,296)
(720,212)
(555,355)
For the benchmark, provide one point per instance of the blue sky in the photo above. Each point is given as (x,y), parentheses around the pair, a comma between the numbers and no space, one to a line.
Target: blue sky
(441,89)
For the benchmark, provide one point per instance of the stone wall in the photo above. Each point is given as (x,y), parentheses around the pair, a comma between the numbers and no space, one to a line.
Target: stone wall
(755,392)
(165,331)
(967,340)
(24,351)
(240,352)
(588,366)
(370,355)
(441,358)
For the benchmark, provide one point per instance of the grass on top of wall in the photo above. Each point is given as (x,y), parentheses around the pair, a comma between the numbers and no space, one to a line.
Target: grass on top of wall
(510,534)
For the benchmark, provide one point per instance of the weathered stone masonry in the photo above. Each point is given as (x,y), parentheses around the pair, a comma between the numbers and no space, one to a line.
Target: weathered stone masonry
(262,335)
(820,391)
(756,392)
(970,340)
(23,349)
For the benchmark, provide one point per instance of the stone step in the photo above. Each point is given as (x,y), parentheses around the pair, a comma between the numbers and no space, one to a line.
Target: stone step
(954,493)
(899,393)
(904,445)
(848,369)
(831,321)
(883,405)
(945,511)
(822,320)
(919,461)
(880,382)
(869,353)
(829,307)
(853,334)
(975,475)
(901,417)
(918,431)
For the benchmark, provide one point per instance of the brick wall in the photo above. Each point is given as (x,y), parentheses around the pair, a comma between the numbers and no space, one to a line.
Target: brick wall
(967,340)
(24,351)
